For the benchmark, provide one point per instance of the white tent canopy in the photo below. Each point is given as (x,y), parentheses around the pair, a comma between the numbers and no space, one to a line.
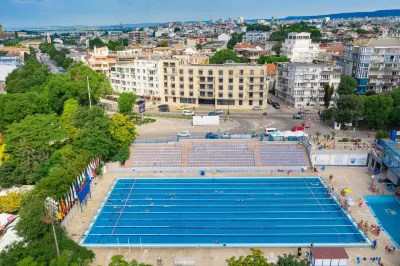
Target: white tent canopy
(289,134)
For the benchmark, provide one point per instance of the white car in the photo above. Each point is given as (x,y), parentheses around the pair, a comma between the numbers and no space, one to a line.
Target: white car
(183,134)
(187,113)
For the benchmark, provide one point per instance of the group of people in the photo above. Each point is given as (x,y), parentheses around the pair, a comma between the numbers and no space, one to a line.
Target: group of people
(365,227)
(389,250)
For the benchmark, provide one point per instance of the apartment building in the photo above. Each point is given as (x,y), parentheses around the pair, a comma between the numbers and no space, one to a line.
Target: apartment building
(299,48)
(140,76)
(101,60)
(255,36)
(231,85)
(137,37)
(302,84)
(374,63)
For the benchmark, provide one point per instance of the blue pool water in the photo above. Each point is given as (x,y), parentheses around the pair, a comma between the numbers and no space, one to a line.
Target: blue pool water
(210,212)
(386,210)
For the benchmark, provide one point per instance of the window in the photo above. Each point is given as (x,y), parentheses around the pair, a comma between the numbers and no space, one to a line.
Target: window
(251,87)
(209,79)
(165,84)
(165,77)
(252,72)
(210,86)
(190,71)
(241,72)
(261,87)
(230,72)
(230,87)
(251,80)
(202,86)
(261,94)
(240,87)
(230,95)
(240,95)
(191,94)
(262,72)
(250,95)
(200,72)
(190,87)
(181,71)
(220,87)
(202,79)
(172,78)
(165,91)
(190,79)
(240,80)
(250,102)
(174,99)
(209,94)
(230,80)
(165,70)
(182,93)
(166,65)
(202,93)
(261,80)
(241,102)
(210,72)
(220,72)
(181,79)
(181,86)
(220,80)
(220,95)
(173,85)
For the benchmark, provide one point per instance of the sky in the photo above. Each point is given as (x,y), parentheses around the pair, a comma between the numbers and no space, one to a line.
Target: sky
(33,13)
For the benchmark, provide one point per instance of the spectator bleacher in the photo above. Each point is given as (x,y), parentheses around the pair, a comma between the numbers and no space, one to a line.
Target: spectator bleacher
(220,155)
(282,155)
(157,156)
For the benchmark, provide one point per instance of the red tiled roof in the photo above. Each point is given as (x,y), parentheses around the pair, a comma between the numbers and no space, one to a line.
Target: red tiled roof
(243,45)
(271,69)
(329,253)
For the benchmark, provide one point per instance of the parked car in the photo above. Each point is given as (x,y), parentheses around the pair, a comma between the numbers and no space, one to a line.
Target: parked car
(269,131)
(257,108)
(252,133)
(163,109)
(226,135)
(187,113)
(297,128)
(305,124)
(276,105)
(269,101)
(297,116)
(219,112)
(163,106)
(211,135)
(183,107)
(212,114)
(184,134)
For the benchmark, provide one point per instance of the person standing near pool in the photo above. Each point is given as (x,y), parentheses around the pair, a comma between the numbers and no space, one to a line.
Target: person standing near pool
(374,243)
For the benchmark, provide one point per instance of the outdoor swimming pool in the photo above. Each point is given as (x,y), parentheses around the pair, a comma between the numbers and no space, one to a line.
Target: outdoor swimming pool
(217,212)
(386,210)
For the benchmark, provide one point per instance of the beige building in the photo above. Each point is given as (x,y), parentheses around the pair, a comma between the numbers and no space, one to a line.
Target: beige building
(239,86)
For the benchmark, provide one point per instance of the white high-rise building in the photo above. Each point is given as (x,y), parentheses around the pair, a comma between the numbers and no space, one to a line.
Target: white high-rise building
(140,77)
(302,84)
(240,20)
(299,48)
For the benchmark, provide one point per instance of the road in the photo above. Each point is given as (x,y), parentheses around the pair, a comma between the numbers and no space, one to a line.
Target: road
(48,62)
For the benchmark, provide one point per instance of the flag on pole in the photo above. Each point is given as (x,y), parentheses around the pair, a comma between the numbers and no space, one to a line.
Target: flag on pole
(59,213)
(66,201)
(77,185)
(64,210)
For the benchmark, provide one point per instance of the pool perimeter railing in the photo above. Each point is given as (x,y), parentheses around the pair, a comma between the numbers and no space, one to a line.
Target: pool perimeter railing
(366,243)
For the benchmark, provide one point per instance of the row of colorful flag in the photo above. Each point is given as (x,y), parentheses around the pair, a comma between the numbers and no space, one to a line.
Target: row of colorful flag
(71,196)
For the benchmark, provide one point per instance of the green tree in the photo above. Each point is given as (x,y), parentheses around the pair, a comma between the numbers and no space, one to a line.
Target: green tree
(28,261)
(361,31)
(277,48)
(177,29)
(396,97)
(370,93)
(381,134)
(328,113)
(257,27)
(199,47)
(290,260)
(70,107)
(27,78)
(347,85)
(327,94)
(266,59)
(394,117)
(126,102)
(163,44)
(350,108)
(96,42)
(15,107)
(118,260)
(377,109)
(122,130)
(235,39)
(224,55)
(116,45)
(256,258)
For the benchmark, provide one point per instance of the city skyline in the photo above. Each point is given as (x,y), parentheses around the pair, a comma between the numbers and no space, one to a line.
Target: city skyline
(36,13)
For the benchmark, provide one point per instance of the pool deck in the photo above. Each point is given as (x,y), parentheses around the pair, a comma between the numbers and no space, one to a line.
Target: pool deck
(356,179)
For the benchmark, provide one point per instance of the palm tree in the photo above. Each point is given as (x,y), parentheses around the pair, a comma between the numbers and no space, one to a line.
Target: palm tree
(333,133)
(317,133)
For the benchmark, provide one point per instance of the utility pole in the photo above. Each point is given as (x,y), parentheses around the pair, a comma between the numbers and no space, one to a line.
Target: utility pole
(88,88)
(51,207)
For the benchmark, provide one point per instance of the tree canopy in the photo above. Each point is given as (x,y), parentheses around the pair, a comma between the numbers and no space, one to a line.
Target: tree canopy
(224,55)
(235,39)
(267,59)
(257,27)
(347,85)
(126,102)
(256,258)
(282,33)
(377,109)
